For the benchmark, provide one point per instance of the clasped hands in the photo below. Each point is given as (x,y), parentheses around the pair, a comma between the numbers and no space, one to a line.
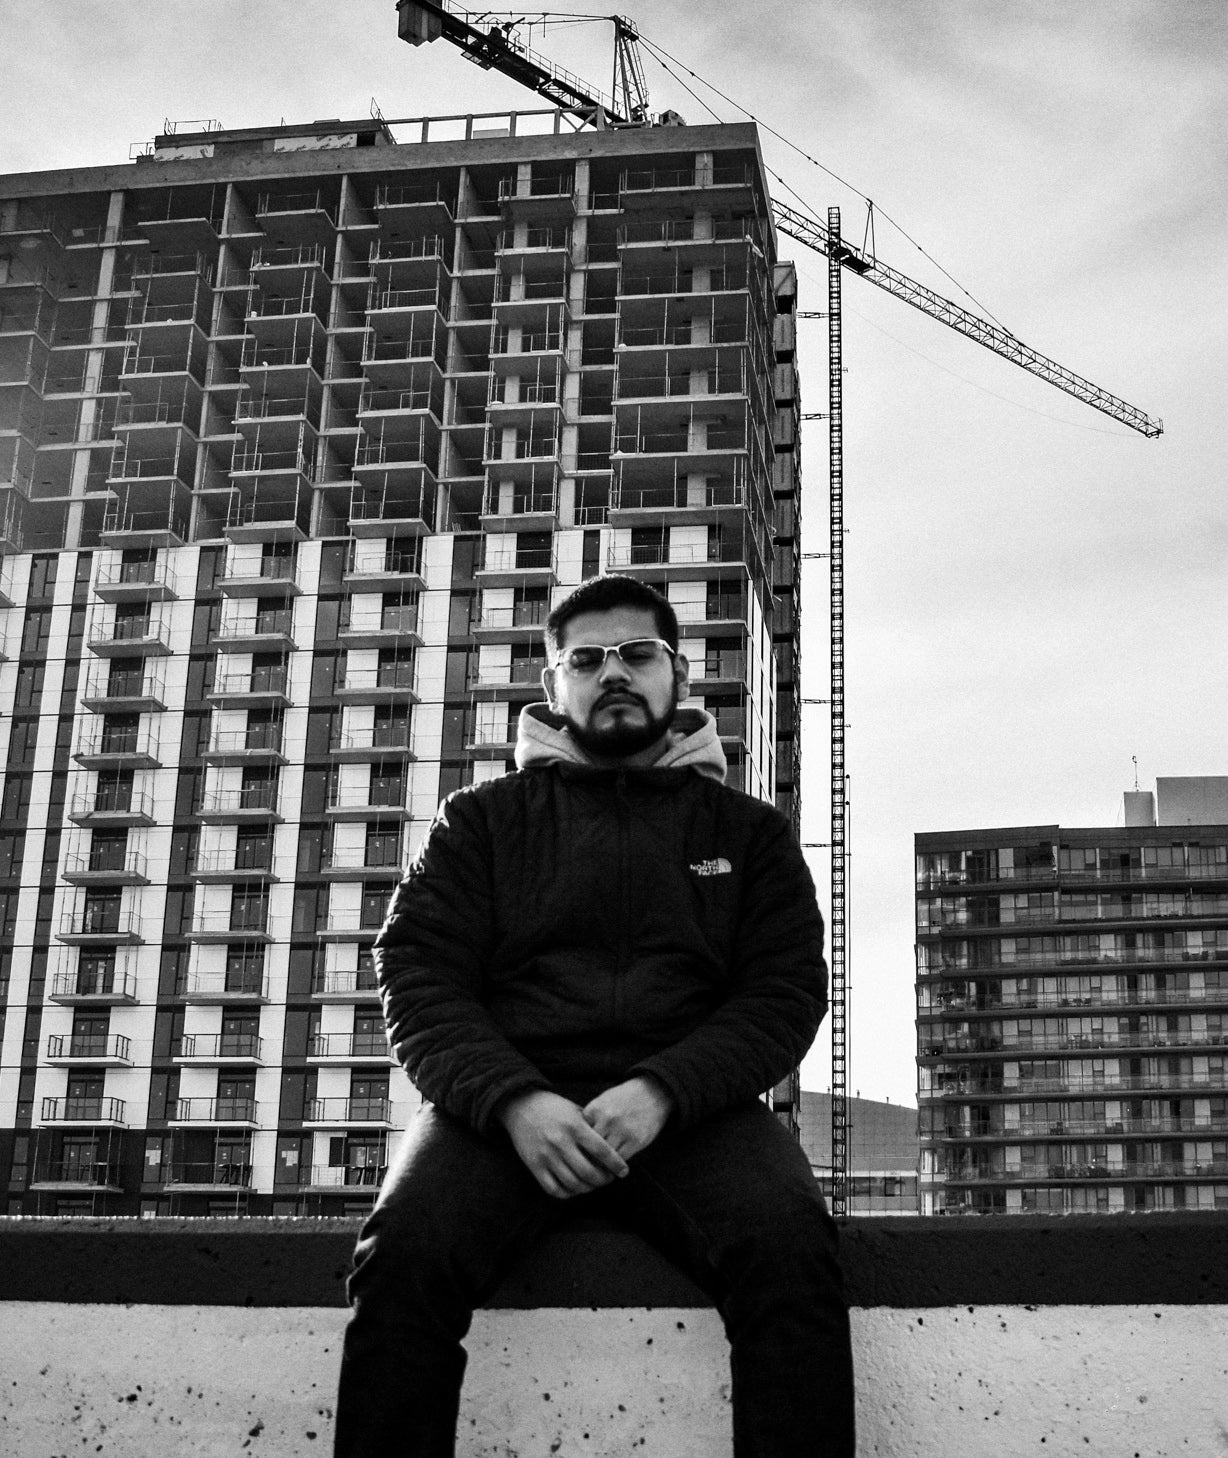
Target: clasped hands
(570,1150)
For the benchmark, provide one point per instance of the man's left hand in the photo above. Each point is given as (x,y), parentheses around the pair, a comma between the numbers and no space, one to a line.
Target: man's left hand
(630,1115)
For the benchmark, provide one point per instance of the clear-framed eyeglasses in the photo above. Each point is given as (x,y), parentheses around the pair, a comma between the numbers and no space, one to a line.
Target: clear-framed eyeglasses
(585,659)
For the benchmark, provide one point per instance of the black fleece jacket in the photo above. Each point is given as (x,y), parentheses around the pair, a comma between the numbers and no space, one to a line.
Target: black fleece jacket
(566,928)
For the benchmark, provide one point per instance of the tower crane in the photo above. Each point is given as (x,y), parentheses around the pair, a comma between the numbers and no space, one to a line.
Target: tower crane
(499,48)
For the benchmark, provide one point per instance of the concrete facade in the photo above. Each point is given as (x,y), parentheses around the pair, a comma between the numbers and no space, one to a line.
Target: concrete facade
(302,432)
(1072,1013)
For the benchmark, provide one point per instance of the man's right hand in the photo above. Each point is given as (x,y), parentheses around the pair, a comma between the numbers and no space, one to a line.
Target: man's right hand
(559,1148)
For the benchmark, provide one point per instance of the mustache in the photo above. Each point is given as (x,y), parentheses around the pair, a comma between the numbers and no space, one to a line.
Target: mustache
(619,696)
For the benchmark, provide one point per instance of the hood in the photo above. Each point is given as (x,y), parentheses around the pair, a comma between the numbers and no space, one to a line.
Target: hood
(543,738)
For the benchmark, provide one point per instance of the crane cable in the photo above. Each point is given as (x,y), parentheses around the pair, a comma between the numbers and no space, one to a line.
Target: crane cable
(658,52)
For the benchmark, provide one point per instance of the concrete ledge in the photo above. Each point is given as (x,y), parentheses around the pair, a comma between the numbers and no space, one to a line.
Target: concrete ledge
(1178,1259)
(1017,1337)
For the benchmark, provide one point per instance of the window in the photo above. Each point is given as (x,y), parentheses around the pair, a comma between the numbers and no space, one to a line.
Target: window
(108,850)
(391,727)
(100,915)
(249,909)
(89,1035)
(268,673)
(263,730)
(374,906)
(84,1100)
(370,1040)
(395,668)
(383,847)
(259,789)
(131,621)
(240,1036)
(399,613)
(114,792)
(387,783)
(253,849)
(125,677)
(273,615)
(95,972)
(368,1095)
(244,969)
(236,1096)
(119,733)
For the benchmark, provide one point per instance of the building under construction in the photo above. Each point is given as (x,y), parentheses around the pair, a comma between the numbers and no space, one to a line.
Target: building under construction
(1072,1011)
(302,430)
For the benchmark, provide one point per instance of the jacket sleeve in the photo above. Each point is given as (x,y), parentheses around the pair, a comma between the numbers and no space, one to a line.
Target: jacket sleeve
(778,993)
(431,960)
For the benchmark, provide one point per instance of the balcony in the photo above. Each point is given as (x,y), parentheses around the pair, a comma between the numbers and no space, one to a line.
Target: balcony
(367,802)
(375,567)
(246,688)
(378,683)
(342,1178)
(258,744)
(230,925)
(111,924)
(345,985)
(219,1048)
(94,985)
(355,863)
(508,564)
(104,866)
(344,1113)
(114,637)
(99,1051)
(242,627)
(113,689)
(84,1109)
(348,1048)
(681,561)
(206,1176)
(228,864)
(394,740)
(101,746)
(112,807)
(221,985)
(147,581)
(239,1112)
(522,495)
(399,502)
(350,924)
(258,577)
(366,622)
(521,678)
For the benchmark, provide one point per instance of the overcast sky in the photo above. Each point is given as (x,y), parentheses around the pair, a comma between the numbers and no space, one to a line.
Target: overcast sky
(1035,595)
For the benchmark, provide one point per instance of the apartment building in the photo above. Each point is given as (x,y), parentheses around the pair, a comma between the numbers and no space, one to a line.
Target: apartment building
(302,430)
(1072,1011)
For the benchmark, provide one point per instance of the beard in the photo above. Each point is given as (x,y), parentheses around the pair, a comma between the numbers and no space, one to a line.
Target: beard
(622,738)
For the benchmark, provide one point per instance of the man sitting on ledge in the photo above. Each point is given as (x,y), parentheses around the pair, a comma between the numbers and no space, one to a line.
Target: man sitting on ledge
(591,971)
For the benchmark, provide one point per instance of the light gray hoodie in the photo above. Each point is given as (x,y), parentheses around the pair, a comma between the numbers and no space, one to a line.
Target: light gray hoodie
(543,738)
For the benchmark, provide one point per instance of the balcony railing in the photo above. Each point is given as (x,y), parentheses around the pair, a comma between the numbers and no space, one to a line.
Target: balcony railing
(348,1111)
(216,1111)
(215,1047)
(348,1045)
(113,1047)
(83,1109)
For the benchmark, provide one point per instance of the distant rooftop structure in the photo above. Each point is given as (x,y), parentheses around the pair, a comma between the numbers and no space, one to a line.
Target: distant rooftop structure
(1180,800)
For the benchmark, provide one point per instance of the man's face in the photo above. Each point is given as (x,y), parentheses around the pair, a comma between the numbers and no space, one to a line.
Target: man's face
(617,711)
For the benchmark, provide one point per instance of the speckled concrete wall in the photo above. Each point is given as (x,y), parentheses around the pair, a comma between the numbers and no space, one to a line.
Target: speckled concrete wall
(936,1382)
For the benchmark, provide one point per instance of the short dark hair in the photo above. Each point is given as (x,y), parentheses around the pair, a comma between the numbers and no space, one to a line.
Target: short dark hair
(602,594)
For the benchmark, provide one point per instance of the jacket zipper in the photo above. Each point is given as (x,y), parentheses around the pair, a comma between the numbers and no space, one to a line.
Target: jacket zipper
(624,892)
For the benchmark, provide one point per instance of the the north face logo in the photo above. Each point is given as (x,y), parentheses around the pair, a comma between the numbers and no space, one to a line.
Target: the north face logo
(718,867)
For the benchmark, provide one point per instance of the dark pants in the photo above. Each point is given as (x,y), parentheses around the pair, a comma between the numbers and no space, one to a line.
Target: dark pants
(732,1202)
